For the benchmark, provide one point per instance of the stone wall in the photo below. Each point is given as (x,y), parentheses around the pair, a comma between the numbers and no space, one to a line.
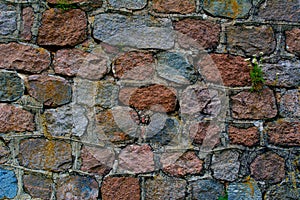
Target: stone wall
(137,99)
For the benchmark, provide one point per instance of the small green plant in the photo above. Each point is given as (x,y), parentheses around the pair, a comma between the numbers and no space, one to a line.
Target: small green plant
(256,73)
(225,197)
(64,5)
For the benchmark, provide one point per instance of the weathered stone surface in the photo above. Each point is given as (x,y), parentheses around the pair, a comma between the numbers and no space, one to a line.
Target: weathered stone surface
(231,9)
(225,165)
(75,62)
(67,1)
(250,40)
(62,28)
(27,19)
(77,187)
(38,186)
(11,86)
(8,184)
(4,152)
(206,189)
(50,90)
(253,105)
(136,159)
(283,133)
(187,163)
(283,191)
(120,188)
(174,6)
(15,119)
(84,92)
(8,19)
(24,57)
(293,41)
(46,155)
(136,31)
(289,102)
(107,94)
(234,70)
(246,190)
(97,160)
(247,137)
(154,97)
(165,188)
(86,5)
(134,65)
(268,167)
(206,134)
(175,67)
(129,4)
(204,33)
(286,10)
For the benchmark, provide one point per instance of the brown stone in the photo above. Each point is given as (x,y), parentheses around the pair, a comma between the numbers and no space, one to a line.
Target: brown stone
(154,97)
(283,133)
(134,65)
(38,186)
(28,19)
(62,28)
(45,155)
(75,62)
(250,40)
(254,105)
(24,57)
(188,163)
(247,137)
(121,188)
(206,134)
(293,41)
(49,90)
(204,33)
(268,167)
(174,6)
(4,153)
(15,119)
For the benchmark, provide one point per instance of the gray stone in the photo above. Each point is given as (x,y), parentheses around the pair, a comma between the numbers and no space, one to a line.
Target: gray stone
(289,103)
(8,184)
(137,31)
(175,67)
(288,190)
(206,189)
(11,86)
(8,19)
(244,191)
(107,94)
(129,4)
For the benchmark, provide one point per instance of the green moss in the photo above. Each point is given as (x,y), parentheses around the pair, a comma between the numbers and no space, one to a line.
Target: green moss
(65,5)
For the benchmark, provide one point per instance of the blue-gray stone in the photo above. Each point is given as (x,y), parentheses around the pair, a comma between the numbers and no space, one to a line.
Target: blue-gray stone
(129,4)
(175,67)
(135,31)
(8,184)
(244,191)
(8,19)
(107,95)
(11,86)
(206,189)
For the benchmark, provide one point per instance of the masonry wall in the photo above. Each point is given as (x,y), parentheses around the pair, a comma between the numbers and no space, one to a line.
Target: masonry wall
(137,99)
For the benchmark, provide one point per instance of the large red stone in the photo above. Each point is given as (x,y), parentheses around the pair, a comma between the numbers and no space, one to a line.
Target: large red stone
(293,41)
(206,134)
(247,137)
(174,6)
(27,19)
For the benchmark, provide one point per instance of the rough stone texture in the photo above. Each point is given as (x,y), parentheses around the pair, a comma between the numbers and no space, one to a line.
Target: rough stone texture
(285,10)
(250,40)
(283,133)
(77,187)
(45,154)
(129,4)
(84,92)
(11,86)
(293,41)
(289,103)
(283,191)
(122,188)
(28,19)
(137,31)
(230,9)
(234,70)
(134,65)
(253,105)
(97,160)
(8,19)
(8,184)
(136,159)
(206,189)
(268,167)
(174,6)
(62,28)
(154,97)
(75,62)
(247,137)
(15,119)
(187,163)
(225,165)
(50,90)
(67,1)
(175,67)
(165,188)
(204,33)
(4,152)
(107,94)
(245,191)
(38,186)
(24,57)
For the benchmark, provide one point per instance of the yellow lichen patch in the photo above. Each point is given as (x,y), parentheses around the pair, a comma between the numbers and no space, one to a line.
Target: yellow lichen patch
(44,127)
(249,183)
